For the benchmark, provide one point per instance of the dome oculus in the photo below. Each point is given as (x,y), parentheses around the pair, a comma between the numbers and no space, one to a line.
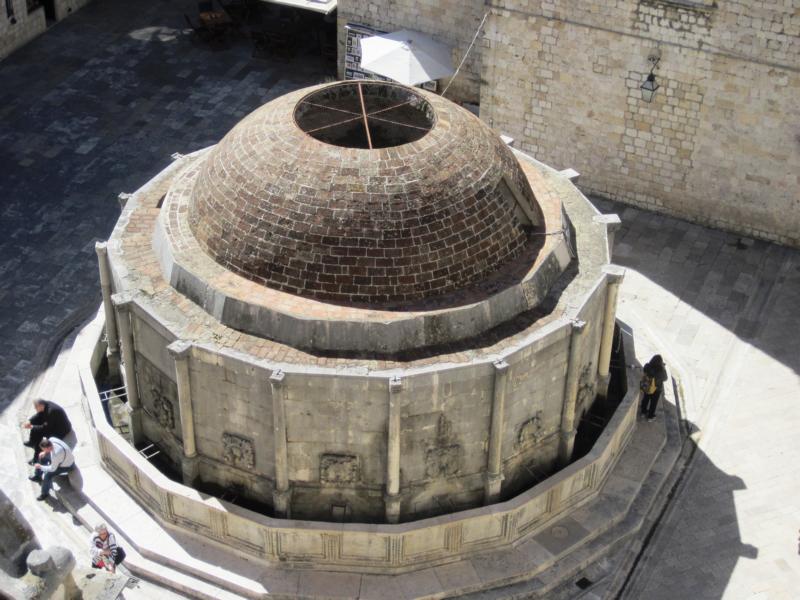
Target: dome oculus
(365,114)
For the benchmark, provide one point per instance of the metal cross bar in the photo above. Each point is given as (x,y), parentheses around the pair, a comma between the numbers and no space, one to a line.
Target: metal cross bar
(335,124)
(349,112)
(364,114)
(400,124)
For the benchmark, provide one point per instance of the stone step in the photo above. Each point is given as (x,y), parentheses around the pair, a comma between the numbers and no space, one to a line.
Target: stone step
(137,564)
(613,562)
(202,568)
(558,578)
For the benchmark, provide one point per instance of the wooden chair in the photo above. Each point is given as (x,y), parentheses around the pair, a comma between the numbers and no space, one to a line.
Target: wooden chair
(204,35)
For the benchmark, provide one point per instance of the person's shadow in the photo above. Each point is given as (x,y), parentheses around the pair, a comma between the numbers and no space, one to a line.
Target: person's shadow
(697,544)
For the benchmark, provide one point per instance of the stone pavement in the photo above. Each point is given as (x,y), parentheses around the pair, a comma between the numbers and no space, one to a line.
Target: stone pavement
(51,523)
(95,107)
(723,311)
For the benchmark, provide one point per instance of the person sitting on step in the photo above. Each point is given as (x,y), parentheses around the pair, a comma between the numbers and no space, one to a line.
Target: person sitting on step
(50,420)
(55,458)
(104,550)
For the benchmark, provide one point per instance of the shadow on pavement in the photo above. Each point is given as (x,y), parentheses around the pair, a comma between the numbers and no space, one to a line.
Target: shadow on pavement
(750,287)
(94,107)
(702,539)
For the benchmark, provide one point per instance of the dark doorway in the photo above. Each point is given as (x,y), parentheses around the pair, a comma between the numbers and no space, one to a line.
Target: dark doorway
(49,11)
(594,421)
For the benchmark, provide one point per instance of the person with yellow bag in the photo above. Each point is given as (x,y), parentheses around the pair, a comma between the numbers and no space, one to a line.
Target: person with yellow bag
(652,385)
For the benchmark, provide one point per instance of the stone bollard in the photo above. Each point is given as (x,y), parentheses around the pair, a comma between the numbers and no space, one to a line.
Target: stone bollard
(50,575)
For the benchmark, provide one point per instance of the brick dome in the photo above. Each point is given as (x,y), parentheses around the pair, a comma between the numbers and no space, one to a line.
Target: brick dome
(294,198)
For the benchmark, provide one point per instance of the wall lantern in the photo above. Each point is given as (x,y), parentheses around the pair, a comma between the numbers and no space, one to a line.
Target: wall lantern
(650,85)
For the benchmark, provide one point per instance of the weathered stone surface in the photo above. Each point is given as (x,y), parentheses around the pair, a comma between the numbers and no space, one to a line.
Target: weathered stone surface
(336,469)
(407,222)
(563,79)
(317,444)
(238,451)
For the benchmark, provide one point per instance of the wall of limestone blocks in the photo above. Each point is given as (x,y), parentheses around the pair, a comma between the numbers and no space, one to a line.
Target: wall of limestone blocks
(719,144)
(17,27)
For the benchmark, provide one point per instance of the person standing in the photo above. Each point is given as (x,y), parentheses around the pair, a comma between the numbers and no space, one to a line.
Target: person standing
(652,385)
(104,550)
(49,420)
(55,458)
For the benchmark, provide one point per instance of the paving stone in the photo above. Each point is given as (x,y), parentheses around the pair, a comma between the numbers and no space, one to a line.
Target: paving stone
(324,584)
(733,331)
(95,107)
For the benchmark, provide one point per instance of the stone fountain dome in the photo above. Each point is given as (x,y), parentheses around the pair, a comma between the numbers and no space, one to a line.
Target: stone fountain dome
(301,197)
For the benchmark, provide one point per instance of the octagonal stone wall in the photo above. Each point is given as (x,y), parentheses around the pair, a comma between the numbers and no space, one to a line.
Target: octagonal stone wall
(337,422)
(352,432)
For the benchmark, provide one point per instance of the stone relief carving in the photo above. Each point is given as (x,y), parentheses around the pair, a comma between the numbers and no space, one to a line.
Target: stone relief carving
(337,469)
(443,458)
(586,384)
(442,461)
(165,413)
(530,432)
(238,451)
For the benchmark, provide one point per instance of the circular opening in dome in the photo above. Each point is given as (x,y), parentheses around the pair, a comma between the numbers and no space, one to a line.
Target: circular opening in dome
(365,114)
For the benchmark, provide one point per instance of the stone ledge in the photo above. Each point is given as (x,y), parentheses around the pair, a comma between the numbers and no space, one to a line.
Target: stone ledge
(179,562)
(310,324)
(537,552)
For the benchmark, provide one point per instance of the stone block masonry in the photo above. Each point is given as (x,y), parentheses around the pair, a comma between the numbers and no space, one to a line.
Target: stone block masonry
(715,145)
(18,26)
(718,144)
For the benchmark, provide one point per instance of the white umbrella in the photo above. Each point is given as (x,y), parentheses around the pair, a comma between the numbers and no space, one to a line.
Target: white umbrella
(409,57)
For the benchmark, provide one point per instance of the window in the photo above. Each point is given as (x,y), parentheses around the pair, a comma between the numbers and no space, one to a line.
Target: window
(10,9)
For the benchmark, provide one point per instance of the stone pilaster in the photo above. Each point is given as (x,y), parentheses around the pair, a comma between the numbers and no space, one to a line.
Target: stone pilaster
(568,428)
(614,275)
(494,467)
(281,497)
(392,497)
(101,248)
(181,351)
(123,303)
(612,223)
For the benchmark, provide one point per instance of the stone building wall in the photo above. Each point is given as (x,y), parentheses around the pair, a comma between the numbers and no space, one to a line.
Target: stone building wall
(232,413)
(593,315)
(64,8)
(536,381)
(24,26)
(161,420)
(451,22)
(719,144)
(155,374)
(19,28)
(445,420)
(336,439)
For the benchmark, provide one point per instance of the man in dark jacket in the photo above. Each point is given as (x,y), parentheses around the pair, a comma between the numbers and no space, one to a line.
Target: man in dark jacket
(653,385)
(50,420)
